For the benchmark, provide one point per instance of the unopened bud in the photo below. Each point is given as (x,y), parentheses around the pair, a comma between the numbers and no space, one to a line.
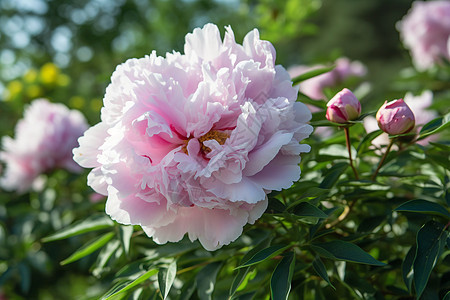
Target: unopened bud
(395,117)
(343,107)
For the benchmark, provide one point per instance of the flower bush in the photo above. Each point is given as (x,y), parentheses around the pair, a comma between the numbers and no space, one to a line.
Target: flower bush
(194,188)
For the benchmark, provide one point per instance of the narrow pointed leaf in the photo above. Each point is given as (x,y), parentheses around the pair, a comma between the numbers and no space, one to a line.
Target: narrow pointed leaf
(319,267)
(311,74)
(434,126)
(305,209)
(125,233)
(128,284)
(424,206)
(280,282)
(91,223)
(346,251)
(407,267)
(264,254)
(88,248)
(431,240)
(206,279)
(166,276)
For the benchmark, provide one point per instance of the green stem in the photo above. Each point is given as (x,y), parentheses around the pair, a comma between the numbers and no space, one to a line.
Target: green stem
(391,142)
(347,140)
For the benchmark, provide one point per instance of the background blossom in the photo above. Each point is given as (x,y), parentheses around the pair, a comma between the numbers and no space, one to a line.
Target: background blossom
(425,31)
(192,143)
(44,140)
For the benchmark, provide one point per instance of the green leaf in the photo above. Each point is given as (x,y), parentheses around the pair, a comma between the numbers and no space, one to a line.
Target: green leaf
(166,276)
(264,254)
(345,251)
(407,267)
(104,256)
(311,74)
(88,248)
(25,277)
(434,126)
(206,279)
(423,206)
(430,243)
(126,285)
(92,223)
(280,282)
(188,289)
(333,175)
(305,209)
(447,296)
(367,141)
(320,269)
(125,233)
(242,272)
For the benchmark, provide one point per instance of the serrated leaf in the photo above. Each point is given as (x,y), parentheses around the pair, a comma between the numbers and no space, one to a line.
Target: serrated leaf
(311,74)
(206,279)
(91,223)
(346,251)
(264,254)
(280,282)
(128,284)
(407,267)
(305,209)
(434,126)
(166,276)
(88,248)
(423,206)
(430,243)
(320,269)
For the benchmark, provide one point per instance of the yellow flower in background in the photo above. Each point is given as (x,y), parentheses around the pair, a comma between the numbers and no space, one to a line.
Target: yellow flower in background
(49,73)
(77,102)
(33,91)
(63,80)
(13,89)
(30,76)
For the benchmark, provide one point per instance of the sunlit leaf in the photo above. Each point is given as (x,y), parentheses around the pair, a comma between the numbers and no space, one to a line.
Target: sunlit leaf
(125,233)
(91,223)
(206,279)
(407,267)
(128,284)
(88,248)
(434,126)
(264,254)
(166,276)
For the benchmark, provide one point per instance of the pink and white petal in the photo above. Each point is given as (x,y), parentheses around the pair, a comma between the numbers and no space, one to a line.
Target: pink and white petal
(97,181)
(86,154)
(261,156)
(245,190)
(279,174)
(204,43)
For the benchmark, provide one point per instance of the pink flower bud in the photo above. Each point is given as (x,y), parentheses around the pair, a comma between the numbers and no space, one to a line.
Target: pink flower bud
(395,117)
(343,107)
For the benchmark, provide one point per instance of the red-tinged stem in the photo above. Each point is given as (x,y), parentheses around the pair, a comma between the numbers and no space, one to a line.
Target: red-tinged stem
(347,139)
(391,142)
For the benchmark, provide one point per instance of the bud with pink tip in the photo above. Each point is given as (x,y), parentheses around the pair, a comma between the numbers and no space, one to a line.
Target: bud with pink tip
(343,107)
(395,117)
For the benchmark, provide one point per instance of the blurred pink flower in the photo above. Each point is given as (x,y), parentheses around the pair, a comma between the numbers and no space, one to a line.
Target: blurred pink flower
(425,31)
(419,106)
(44,140)
(192,143)
(343,107)
(313,88)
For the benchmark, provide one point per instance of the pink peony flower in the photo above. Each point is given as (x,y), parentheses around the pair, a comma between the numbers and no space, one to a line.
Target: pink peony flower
(419,106)
(395,117)
(313,88)
(343,107)
(44,140)
(425,31)
(192,143)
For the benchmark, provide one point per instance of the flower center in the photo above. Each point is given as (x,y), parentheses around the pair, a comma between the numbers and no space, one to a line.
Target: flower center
(219,136)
